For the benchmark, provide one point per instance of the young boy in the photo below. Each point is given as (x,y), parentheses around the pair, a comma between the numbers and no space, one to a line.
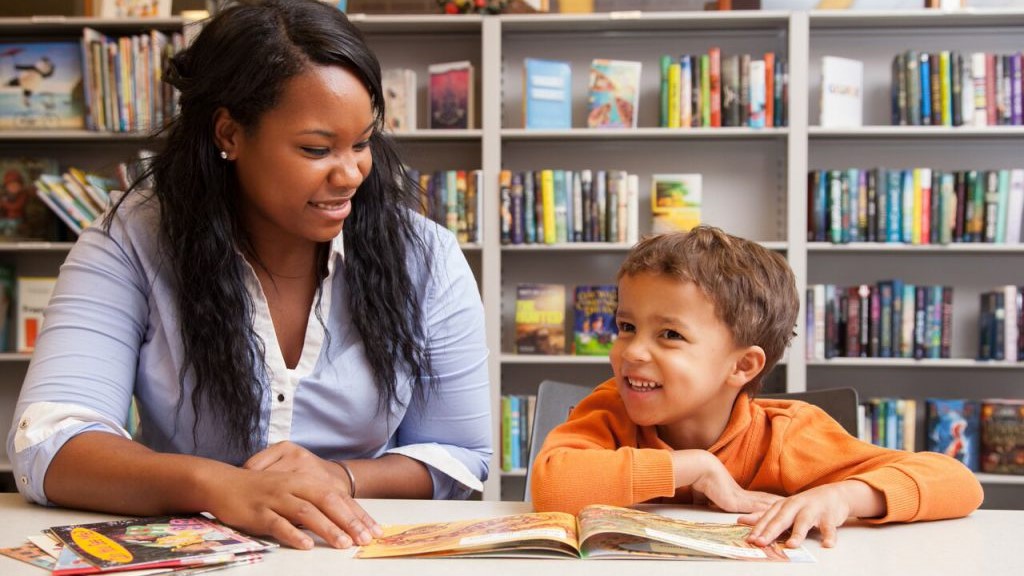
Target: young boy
(703,317)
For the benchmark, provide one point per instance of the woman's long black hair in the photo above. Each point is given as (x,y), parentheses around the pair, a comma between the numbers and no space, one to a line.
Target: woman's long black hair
(241,62)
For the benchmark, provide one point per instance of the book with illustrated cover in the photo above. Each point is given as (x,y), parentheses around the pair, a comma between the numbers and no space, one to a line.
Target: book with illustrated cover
(675,202)
(842,92)
(540,319)
(399,85)
(33,294)
(152,542)
(451,95)
(614,93)
(598,532)
(594,323)
(547,94)
(22,215)
(1002,436)
(953,429)
(132,8)
(41,86)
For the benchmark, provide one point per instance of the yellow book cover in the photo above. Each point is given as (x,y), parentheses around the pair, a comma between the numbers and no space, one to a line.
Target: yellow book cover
(598,532)
(540,319)
(675,202)
(547,197)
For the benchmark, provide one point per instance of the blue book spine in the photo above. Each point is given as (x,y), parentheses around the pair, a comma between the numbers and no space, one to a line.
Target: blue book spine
(926,91)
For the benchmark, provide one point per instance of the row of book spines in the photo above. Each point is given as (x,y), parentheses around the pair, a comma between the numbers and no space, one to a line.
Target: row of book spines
(75,197)
(452,199)
(561,206)
(1001,323)
(516,430)
(709,90)
(889,423)
(888,320)
(122,80)
(948,88)
(915,206)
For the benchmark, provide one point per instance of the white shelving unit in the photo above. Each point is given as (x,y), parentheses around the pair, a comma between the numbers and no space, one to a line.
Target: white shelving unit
(754,180)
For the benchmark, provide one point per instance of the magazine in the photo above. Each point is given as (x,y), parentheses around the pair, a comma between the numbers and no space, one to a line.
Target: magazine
(598,532)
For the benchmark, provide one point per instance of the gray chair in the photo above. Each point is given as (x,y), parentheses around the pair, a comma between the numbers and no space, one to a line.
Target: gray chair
(554,401)
(839,403)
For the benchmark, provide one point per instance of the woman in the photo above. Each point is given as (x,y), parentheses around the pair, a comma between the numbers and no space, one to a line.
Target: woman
(280,367)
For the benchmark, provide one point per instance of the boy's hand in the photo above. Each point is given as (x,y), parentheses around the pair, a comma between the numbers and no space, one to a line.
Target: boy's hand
(825,508)
(707,476)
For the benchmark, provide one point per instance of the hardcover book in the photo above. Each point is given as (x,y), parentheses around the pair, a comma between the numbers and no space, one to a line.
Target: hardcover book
(953,429)
(22,215)
(399,86)
(540,319)
(600,532)
(842,85)
(1002,436)
(614,93)
(675,202)
(547,94)
(594,322)
(451,95)
(41,86)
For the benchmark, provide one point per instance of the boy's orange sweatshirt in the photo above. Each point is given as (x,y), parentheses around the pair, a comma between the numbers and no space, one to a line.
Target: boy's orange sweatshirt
(780,446)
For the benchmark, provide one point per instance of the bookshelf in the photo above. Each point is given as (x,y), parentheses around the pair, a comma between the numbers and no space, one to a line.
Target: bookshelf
(762,171)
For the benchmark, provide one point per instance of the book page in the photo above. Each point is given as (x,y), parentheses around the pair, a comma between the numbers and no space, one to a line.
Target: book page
(505,535)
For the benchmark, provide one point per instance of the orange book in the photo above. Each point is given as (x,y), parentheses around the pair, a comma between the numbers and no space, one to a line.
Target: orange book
(769,89)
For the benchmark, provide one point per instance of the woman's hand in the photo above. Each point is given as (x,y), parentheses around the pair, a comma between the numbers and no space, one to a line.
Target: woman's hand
(286,486)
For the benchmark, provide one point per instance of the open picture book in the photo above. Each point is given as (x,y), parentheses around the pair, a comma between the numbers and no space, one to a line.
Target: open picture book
(597,532)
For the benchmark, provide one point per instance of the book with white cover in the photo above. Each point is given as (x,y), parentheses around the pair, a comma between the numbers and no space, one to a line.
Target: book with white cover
(842,92)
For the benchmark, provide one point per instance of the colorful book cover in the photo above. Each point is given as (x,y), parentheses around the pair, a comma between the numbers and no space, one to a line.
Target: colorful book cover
(540,319)
(155,541)
(547,95)
(594,322)
(614,93)
(399,85)
(675,202)
(41,86)
(953,429)
(22,215)
(1002,436)
(451,95)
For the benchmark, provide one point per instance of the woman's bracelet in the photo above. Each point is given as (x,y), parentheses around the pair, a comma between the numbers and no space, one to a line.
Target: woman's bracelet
(351,478)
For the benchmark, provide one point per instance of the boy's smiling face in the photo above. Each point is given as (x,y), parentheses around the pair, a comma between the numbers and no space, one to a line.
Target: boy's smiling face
(675,361)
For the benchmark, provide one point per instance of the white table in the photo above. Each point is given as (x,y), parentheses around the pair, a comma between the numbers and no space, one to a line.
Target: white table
(986,543)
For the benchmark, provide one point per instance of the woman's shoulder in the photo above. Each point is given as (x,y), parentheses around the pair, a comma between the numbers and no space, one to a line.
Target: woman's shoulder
(133,222)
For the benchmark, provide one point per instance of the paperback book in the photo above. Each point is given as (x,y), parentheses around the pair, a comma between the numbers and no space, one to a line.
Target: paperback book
(599,532)
(547,96)
(614,93)
(540,319)
(953,429)
(675,202)
(41,86)
(399,85)
(842,98)
(594,329)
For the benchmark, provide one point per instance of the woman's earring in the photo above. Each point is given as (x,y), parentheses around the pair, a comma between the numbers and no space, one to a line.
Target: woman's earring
(223,155)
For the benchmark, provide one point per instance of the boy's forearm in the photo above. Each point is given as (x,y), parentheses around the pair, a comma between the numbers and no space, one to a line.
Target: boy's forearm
(863,500)
(688,466)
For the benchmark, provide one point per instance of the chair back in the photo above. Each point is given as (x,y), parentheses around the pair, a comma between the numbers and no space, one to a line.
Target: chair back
(554,401)
(839,403)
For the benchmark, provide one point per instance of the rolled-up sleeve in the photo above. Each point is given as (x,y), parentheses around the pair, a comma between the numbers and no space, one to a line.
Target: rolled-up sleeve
(82,372)
(455,415)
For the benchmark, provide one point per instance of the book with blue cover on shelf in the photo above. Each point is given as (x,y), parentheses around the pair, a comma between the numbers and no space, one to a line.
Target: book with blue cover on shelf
(547,94)
(594,329)
(953,429)
(41,86)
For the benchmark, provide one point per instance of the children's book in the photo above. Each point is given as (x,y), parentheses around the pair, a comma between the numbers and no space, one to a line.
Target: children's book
(152,542)
(1002,436)
(614,93)
(842,87)
(598,532)
(22,215)
(41,86)
(399,86)
(595,331)
(451,95)
(540,319)
(547,96)
(953,429)
(675,202)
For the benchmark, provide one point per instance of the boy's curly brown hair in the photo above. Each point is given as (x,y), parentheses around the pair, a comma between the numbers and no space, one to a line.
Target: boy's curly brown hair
(752,288)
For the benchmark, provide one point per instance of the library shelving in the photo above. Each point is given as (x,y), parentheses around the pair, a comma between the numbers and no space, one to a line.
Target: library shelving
(754,180)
